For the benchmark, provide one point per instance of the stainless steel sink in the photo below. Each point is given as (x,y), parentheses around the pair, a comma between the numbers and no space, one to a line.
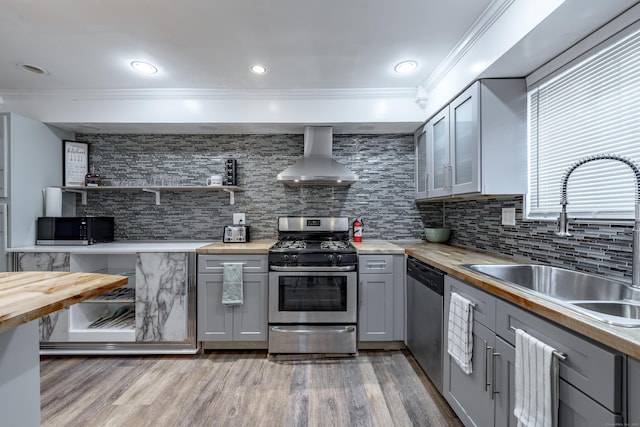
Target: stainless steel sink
(612,312)
(607,300)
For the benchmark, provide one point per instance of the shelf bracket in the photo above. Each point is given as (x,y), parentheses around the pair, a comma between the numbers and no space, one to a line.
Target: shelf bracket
(83,193)
(232,196)
(156,192)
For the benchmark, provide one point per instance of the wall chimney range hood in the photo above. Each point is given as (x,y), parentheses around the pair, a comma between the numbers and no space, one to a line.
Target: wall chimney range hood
(317,167)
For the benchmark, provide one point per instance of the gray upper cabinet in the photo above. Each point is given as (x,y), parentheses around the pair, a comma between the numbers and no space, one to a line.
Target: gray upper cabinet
(476,145)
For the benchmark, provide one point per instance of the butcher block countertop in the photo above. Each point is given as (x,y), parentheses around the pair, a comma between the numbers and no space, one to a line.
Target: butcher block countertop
(372,247)
(220,248)
(448,258)
(26,296)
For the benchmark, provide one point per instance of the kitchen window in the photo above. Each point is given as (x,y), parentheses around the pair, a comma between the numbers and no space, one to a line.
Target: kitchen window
(590,106)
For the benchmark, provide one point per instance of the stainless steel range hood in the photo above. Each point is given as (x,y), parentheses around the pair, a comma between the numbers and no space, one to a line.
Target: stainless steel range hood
(317,167)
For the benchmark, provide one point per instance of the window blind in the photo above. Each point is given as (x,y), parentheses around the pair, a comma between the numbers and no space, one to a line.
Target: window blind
(592,107)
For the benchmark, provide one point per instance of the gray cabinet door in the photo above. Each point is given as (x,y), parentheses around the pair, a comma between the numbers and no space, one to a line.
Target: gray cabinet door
(464,137)
(215,320)
(505,384)
(470,395)
(633,390)
(376,307)
(250,320)
(421,164)
(219,322)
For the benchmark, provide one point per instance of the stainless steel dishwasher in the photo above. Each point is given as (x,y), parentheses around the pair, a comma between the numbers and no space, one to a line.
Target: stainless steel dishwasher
(425,300)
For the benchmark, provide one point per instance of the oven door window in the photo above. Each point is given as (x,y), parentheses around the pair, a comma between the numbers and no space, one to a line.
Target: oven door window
(312,293)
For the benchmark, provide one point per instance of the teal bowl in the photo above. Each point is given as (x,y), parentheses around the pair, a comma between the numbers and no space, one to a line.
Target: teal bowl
(437,235)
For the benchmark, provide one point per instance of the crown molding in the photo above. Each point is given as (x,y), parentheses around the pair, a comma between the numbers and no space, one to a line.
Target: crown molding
(213,94)
(484,22)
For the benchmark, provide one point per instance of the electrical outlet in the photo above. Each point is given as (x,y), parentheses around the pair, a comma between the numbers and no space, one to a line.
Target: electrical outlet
(238,218)
(508,216)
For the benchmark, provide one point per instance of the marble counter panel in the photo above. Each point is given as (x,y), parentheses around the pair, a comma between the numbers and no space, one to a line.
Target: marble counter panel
(161,296)
(54,326)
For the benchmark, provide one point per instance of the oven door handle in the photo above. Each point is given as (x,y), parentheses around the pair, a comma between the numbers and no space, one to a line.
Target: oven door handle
(312,268)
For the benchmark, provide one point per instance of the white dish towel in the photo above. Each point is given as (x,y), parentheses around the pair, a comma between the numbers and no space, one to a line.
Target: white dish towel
(232,284)
(460,332)
(536,382)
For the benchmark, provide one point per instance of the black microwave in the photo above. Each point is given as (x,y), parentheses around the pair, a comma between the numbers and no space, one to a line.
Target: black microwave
(74,230)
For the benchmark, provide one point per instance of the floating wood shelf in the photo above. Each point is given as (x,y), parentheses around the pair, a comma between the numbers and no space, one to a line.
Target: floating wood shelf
(155,190)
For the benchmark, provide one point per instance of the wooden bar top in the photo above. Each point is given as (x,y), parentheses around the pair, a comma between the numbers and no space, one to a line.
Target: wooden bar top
(26,296)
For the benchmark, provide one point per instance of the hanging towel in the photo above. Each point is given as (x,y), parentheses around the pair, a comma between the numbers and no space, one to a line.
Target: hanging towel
(232,283)
(460,332)
(536,382)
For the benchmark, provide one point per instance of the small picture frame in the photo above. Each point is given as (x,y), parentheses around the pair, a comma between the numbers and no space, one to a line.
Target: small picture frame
(76,163)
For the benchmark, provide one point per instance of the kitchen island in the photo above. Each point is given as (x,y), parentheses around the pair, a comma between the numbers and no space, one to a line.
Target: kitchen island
(25,297)
(155,313)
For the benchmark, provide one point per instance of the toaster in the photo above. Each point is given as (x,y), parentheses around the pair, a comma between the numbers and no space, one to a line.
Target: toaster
(236,234)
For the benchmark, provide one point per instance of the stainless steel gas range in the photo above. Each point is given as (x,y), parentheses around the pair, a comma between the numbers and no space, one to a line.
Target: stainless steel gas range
(313,287)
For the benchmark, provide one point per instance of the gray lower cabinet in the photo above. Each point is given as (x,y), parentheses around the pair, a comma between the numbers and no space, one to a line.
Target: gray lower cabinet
(471,396)
(590,383)
(633,391)
(381,297)
(219,322)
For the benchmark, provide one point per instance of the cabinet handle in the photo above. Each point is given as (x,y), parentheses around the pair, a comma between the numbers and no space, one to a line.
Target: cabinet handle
(486,366)
(493,373)
(376,265)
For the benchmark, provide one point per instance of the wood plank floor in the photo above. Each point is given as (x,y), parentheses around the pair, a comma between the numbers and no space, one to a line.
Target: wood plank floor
(376,388)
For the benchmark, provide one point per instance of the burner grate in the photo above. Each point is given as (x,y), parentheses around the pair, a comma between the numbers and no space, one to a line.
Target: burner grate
(334,245)
(291,244)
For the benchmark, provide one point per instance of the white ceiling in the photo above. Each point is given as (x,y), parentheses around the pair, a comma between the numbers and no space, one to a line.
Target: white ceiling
(205,48)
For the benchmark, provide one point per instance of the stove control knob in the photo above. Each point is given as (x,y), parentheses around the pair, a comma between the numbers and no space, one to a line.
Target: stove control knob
(294,258)
(330,257)
(286,258)
(339,259)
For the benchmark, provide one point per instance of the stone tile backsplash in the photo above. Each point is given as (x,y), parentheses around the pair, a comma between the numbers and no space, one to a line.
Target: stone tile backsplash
(597,247)
(383,196)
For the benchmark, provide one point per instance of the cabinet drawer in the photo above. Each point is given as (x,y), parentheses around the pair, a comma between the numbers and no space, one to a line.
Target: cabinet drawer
(375,264)
(215,263)
(591,368)
(485,309)
(576,409)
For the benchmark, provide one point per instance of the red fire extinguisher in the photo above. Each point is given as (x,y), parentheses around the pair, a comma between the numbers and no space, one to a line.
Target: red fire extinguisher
(357,230)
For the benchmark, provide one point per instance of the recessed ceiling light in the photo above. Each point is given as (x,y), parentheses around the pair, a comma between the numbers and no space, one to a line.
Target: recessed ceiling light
(144,67)
(406,67)
(258,69)
(33,69)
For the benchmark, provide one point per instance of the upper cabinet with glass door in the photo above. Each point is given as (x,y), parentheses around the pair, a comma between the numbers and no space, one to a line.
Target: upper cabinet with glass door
(476,145)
